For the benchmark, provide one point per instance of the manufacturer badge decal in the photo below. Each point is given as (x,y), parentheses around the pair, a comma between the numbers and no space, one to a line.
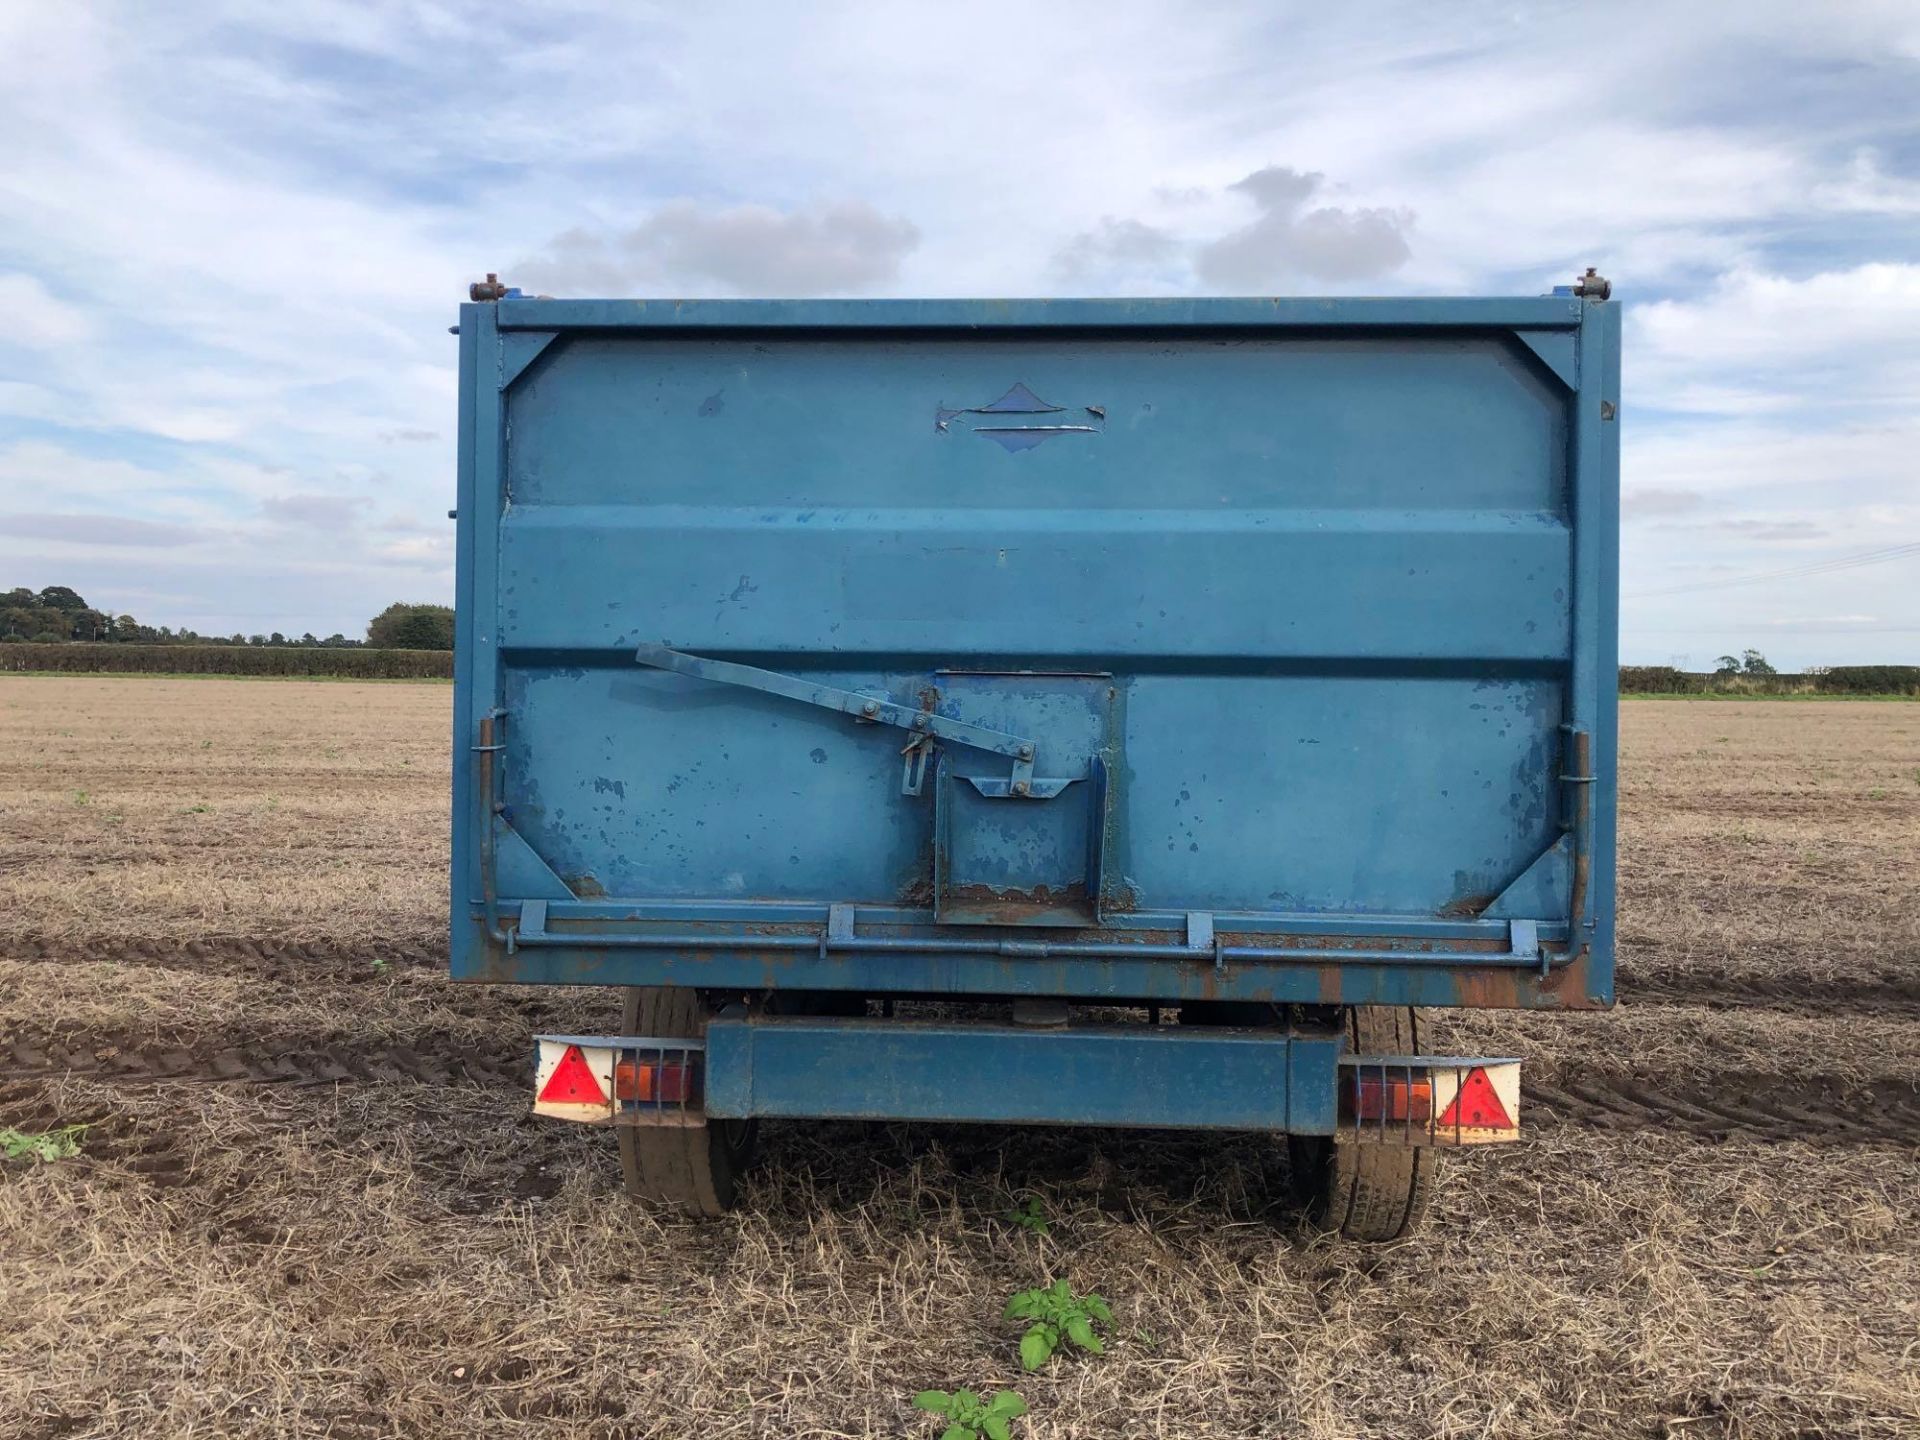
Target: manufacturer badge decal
(1005,420)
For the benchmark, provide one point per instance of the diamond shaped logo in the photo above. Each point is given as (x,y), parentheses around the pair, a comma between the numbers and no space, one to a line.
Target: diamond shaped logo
(1020,420)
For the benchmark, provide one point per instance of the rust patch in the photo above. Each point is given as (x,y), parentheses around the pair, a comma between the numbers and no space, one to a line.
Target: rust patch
(1569,986)
(774,964)
(1491,989)
(1564,988)
(1467,907)
(496,967)
(1074,894)
(983,904)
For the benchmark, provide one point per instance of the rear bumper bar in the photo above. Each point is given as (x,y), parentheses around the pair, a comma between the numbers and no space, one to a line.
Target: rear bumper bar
(1010,1074)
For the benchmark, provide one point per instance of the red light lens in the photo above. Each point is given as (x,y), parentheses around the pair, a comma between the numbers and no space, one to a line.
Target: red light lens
(651,1084)
(1402,1099)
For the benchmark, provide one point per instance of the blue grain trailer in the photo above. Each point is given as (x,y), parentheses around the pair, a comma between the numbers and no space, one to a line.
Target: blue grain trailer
(1180,692)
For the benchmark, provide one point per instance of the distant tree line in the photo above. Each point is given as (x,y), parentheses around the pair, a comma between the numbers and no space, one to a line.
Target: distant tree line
(59,615)
(360,662)
(1750,674)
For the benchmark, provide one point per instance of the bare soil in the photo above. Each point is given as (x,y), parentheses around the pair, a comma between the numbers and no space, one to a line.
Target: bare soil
(310,1200)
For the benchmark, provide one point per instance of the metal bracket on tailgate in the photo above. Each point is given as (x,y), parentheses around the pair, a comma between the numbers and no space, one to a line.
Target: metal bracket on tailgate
(872,709)
(1580,822)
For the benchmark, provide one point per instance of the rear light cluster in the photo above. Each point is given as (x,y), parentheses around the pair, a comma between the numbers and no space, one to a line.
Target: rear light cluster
(1428,1100)
(649,1083)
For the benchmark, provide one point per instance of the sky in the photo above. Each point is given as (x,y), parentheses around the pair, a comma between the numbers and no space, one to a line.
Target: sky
(232,238)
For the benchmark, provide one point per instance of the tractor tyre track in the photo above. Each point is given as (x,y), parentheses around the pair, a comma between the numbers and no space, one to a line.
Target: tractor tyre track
(289,961)
(1811,994)
(117,1060)
(1734,1105)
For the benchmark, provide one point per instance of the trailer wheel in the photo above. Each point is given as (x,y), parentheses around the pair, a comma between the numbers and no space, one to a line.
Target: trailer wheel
(1366,1192)
(693,1169)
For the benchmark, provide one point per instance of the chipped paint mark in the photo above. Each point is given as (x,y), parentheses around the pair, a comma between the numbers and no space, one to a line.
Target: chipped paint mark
(712,405)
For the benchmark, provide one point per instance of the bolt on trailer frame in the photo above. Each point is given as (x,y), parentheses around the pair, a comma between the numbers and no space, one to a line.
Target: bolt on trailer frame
(1253,658)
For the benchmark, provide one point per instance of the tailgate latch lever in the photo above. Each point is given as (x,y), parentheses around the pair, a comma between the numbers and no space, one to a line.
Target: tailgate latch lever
(924,725)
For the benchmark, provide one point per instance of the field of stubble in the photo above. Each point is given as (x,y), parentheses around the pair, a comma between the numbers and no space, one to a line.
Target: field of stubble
(309,1200)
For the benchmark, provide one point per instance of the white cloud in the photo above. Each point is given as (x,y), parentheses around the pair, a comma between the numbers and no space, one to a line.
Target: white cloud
(1833,470)
(35,317)
(316,512)
(26,401)
(1752,321)
(1797,620)
(1116,245)
(1289,242)
(1640,500)
(688,248)
(1865,186)
(1288,245)
(99,530)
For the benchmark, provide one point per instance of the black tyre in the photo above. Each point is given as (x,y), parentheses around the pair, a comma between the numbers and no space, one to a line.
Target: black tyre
(1239,1014)
(1369,1193)
(697,1168)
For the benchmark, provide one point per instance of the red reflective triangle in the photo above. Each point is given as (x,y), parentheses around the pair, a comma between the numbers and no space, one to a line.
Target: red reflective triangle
(1475,1106)
(572,1082)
